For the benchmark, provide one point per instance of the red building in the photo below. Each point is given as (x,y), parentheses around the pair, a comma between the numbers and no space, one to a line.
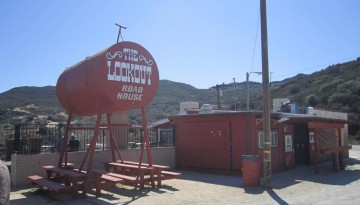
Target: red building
(216,140)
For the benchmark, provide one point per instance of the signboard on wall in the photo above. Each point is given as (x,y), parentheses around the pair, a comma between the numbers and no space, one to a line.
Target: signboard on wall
(311,137)
(288,143)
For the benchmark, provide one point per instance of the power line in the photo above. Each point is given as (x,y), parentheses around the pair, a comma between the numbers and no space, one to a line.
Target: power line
(257,30)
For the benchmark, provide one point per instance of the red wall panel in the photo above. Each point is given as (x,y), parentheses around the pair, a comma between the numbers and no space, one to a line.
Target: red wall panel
(203,144)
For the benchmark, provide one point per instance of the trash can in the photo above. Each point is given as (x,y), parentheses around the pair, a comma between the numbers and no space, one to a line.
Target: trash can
(251,170)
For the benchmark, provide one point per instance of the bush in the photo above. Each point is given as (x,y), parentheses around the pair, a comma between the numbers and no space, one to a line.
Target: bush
(341,98)
(294,89)
(331,86)
(311,100)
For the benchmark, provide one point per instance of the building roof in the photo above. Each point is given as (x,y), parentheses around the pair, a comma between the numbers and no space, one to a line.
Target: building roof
(278,116)
(305,118)
(159,122)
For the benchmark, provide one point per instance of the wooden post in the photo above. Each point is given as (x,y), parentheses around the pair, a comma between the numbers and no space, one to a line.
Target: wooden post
(64,148)
(146,141)
(92,146)
(317,153)
(341,160)
(335,161)
(266,98)
(113,144)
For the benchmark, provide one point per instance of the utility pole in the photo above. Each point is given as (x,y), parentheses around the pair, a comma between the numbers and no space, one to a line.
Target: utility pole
(218,96)
(235,96)
(248,127)
(247,92)
(247,89)
(266,98)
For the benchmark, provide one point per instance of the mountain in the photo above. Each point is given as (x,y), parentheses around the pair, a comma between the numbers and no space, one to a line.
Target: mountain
(22,96)
(335,88)
(39,104)
(169,96)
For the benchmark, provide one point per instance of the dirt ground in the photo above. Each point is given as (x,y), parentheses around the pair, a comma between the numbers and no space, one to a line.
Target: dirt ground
(298,186)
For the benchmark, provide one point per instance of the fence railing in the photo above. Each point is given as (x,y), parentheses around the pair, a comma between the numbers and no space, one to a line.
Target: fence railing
(38,138)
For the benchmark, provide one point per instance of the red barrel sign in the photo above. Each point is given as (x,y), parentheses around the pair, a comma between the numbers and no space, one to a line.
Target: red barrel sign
(122,77)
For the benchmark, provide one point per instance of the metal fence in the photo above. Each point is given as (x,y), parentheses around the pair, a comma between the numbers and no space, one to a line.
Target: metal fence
(38,138)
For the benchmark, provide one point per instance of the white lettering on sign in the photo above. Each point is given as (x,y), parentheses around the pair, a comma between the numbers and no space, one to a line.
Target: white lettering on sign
(131,54)
(130,71)
(129,96)
(131,88)
(130,92)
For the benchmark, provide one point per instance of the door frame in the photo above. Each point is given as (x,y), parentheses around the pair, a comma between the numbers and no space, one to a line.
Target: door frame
(301,143)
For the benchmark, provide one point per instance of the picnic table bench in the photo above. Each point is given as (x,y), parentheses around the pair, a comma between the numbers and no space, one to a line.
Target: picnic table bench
(159,171)
(74,178)
(156,172)
(70,178)
(100,178)
(125,170)
(62,171)
(54,187)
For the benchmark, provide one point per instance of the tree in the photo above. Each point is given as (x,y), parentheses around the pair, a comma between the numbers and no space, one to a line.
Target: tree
(311,100)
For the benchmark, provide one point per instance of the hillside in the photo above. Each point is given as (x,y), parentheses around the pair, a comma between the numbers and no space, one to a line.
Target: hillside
(335,88)
(22,96)
(40,105)
(169,96)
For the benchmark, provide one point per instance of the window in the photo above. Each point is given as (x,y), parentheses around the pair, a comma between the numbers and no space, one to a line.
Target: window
(261,139)
(274,139)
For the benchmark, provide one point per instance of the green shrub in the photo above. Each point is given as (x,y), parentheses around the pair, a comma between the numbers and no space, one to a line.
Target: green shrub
(311,100)
(342,98)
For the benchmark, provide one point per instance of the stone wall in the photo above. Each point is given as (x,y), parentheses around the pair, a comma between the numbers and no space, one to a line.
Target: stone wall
(4,184)
(26,165)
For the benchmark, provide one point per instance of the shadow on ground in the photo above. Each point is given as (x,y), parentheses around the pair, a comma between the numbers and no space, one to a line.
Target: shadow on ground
(303,173)
(110,195)
(287,178)
(326,175)
(127,194)
(42,196)
(234,181)
(132,194)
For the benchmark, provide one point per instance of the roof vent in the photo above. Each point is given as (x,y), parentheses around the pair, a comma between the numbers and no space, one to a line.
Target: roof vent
(310,111)
(206,108)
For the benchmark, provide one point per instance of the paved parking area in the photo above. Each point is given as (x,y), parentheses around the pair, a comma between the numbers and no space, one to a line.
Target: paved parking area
(298,186)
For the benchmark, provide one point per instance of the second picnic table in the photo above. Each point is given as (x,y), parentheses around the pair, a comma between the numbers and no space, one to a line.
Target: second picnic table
(135,173)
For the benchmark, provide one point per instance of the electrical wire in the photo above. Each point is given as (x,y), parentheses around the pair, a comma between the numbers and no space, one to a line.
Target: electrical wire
(256,36)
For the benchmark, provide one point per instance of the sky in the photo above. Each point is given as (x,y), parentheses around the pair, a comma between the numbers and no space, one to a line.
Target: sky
(197,42)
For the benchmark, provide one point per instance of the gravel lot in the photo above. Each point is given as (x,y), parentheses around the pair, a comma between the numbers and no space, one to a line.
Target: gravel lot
(298,186)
